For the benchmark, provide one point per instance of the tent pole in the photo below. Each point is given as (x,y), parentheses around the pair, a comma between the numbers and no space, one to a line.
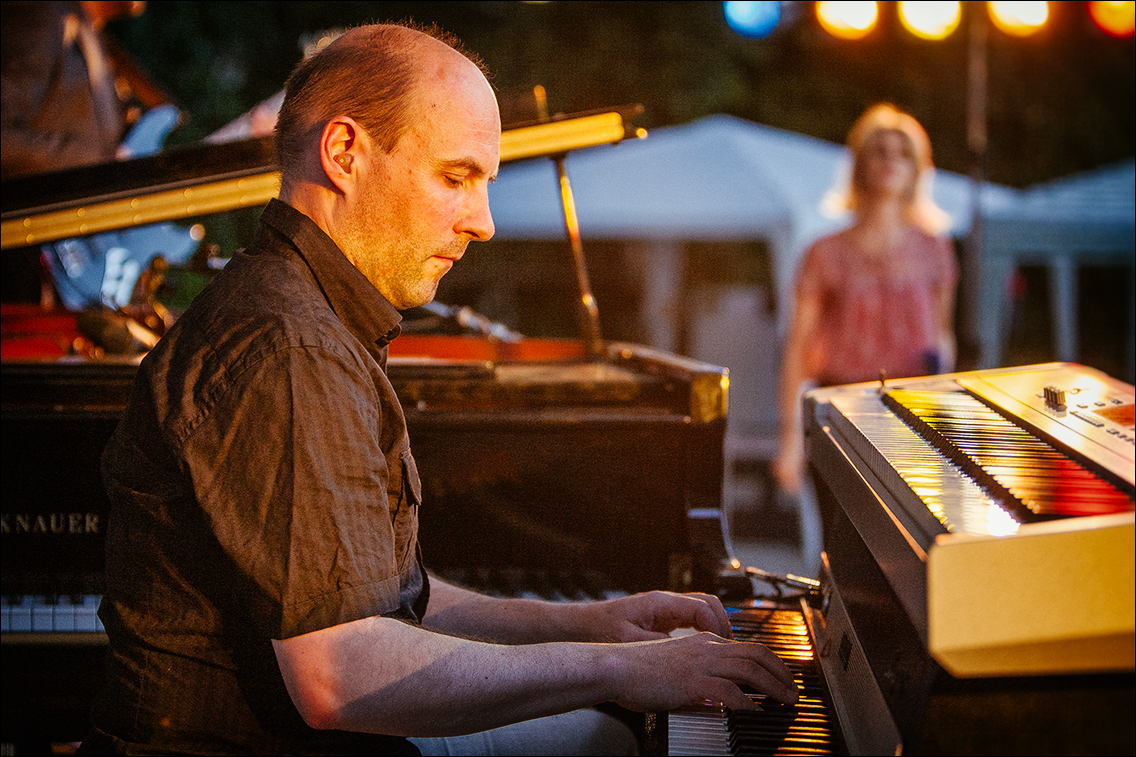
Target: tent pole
(972,263)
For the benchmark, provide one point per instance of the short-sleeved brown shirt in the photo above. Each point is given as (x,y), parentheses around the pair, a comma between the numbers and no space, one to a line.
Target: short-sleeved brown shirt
(262,487)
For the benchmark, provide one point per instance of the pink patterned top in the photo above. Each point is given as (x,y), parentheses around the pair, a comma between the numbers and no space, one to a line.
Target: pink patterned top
(877,312)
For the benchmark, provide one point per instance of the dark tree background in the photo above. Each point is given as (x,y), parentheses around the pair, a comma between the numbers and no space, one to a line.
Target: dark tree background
(1060,101)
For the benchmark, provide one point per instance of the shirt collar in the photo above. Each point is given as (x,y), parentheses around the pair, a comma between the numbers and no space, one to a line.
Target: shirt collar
(356,302)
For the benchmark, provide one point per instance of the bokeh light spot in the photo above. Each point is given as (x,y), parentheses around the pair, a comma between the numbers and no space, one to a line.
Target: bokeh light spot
(1115,18)
(930,20)
(752,19)
(1019,19)
(847,19)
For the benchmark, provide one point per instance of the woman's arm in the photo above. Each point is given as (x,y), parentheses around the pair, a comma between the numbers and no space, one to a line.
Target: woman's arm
(788,468)
(945,307)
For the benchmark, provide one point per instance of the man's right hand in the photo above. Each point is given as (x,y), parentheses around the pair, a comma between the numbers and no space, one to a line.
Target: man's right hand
(672,673)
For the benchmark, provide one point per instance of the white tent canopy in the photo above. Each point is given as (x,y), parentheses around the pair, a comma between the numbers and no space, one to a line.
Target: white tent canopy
(1085,219)
(724,178)
(1104,198)
(720,177)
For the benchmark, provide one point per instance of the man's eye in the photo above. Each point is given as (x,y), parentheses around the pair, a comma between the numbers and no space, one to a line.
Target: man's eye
(454,181)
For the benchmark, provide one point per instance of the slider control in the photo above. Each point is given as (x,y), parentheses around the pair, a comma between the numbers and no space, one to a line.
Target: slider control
(1054,397)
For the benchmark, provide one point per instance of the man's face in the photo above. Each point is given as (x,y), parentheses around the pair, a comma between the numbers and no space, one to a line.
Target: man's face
(420,205)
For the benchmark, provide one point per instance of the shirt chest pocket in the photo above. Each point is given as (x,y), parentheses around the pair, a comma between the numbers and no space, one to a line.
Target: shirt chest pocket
(404,510)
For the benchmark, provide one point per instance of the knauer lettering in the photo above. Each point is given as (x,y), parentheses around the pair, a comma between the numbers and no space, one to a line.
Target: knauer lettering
(49,523)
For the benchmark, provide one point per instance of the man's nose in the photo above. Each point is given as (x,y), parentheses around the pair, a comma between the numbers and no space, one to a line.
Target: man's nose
(477,222)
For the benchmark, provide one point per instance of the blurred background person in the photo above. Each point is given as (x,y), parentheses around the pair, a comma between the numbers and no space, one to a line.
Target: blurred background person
(69,95)
(72,98)
(878,295)
(60,107)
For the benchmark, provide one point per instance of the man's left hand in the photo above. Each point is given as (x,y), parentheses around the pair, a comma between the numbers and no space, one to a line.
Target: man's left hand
(654,615)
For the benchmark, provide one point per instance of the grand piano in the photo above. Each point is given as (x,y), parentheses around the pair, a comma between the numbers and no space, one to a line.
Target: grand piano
(563,468)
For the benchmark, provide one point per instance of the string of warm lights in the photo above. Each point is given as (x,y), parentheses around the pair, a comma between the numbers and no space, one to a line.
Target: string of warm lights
(853,19)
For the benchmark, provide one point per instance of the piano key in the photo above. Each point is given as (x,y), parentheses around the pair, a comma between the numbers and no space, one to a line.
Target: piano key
(43,613)
(803,728)
(63,619)
(86,614)
(698,730)
(1013,464)
(919,473)
(9,606)
(49,614)
(20,618)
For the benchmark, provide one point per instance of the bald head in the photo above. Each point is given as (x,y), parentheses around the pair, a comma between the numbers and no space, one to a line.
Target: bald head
(389,139)
(373,74)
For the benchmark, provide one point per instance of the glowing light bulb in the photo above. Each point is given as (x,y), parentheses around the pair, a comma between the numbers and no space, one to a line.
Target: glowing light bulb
(930,20)
(1115,18)
(1019,18)
(846,19)
(752,19)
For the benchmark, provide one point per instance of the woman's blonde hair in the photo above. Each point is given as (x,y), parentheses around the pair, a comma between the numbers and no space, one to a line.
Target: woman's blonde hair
(884,117)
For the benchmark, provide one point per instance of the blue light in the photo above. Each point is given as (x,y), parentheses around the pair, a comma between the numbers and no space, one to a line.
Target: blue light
(752,19)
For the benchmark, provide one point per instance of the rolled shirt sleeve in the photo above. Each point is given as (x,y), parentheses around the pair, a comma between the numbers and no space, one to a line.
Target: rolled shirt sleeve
(290,470)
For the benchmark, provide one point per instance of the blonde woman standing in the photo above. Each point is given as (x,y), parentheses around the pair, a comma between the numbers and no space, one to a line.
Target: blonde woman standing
(880,294)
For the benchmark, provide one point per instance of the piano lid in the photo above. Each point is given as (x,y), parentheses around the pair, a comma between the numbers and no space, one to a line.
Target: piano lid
(203,179)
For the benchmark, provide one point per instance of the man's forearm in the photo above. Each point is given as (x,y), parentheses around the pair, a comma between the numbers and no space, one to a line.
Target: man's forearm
(454,610)
(384,676)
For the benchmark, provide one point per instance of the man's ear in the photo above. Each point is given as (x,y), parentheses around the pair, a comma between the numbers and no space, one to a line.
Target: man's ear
(340,149)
